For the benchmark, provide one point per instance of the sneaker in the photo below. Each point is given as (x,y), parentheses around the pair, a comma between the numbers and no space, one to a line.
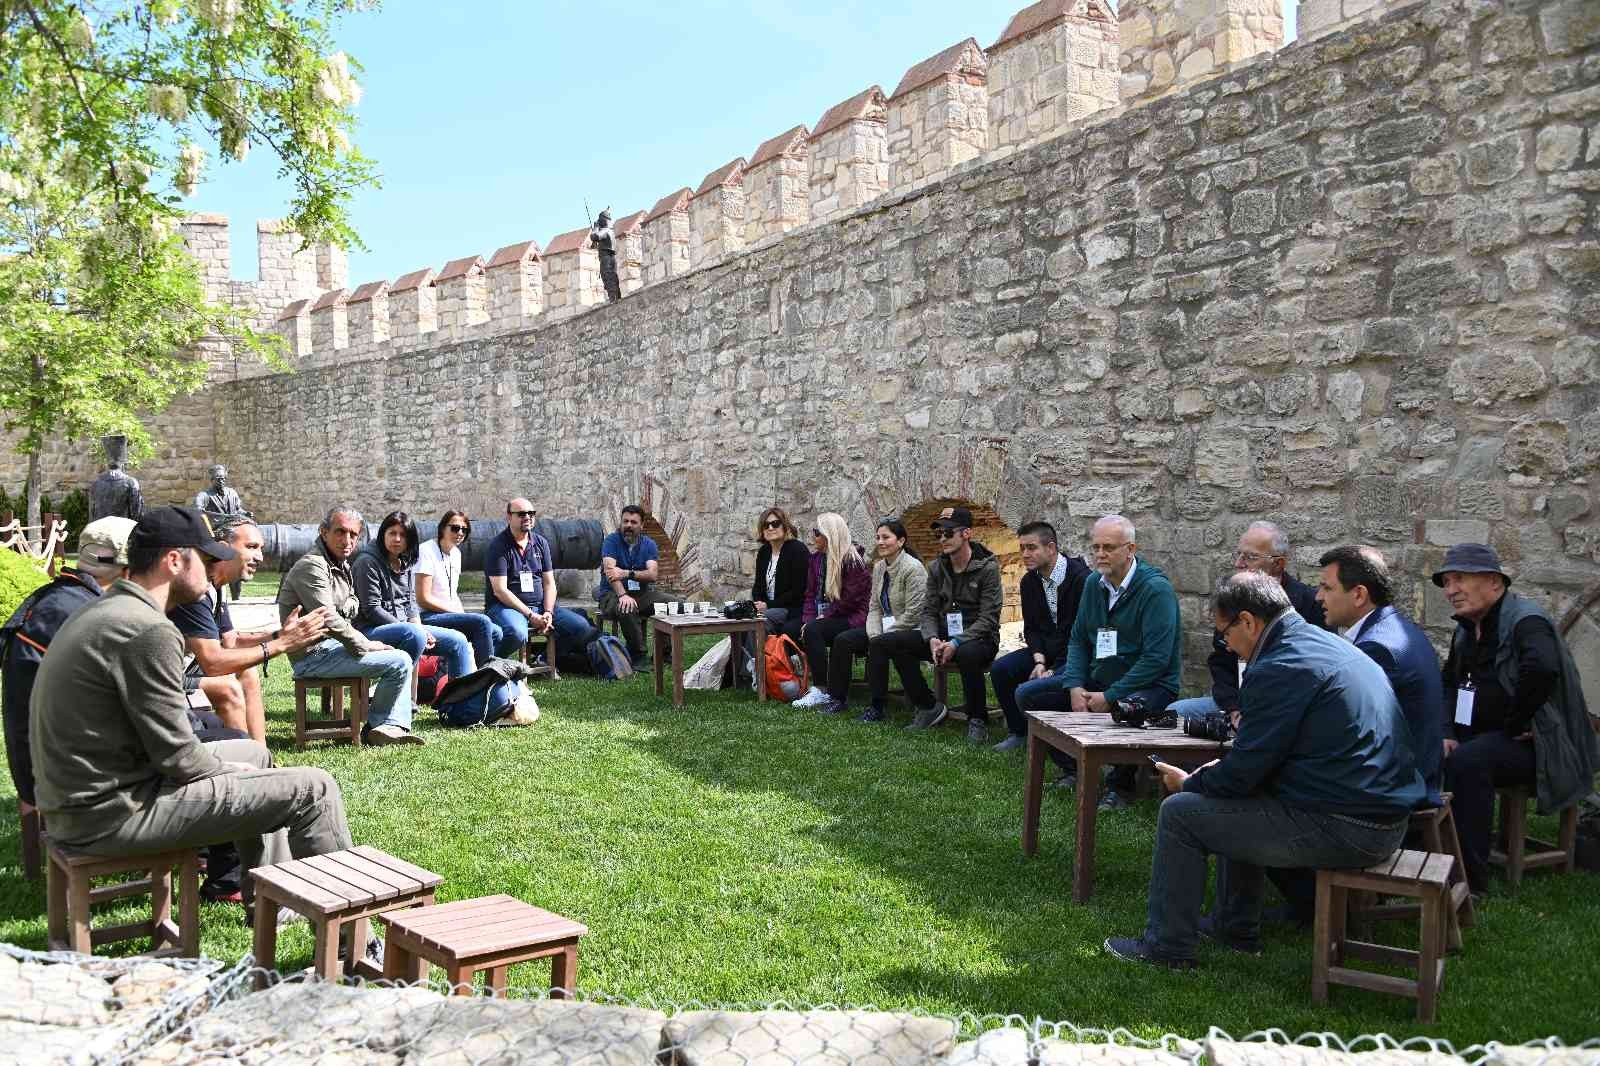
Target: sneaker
(285,916)
(873,714)
(1067,780)
(831,706)
(977,731)
(1114,801)
(640,662)
(1131,949)
(1012,742)
(1208,929)
(929,718)
(372,955)
(380,736)
(812,698)
(212,892)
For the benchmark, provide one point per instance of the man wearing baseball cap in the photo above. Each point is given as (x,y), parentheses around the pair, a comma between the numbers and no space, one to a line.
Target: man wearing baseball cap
(1514,711)
(119,769)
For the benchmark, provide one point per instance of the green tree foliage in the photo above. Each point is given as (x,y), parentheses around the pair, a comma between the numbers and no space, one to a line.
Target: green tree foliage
(108,114)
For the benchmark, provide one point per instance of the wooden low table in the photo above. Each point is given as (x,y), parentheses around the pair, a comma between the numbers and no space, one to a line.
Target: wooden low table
(490,933)
(669,629)
(1095,741)
(339,889)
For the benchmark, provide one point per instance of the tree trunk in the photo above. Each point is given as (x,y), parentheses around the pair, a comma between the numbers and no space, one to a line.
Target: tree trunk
(35,479)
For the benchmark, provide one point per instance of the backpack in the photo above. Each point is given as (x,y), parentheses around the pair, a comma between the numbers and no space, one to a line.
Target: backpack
(788,673)
(431,678)
(608,657)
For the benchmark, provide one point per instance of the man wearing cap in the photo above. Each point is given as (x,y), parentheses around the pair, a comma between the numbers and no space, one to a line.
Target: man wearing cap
(322,578)
(102,557)
(1513,710)
(960,626)
(225,660)
(119,769)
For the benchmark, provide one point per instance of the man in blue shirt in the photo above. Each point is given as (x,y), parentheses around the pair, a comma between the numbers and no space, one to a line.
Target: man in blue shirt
(520,596)
(629,568)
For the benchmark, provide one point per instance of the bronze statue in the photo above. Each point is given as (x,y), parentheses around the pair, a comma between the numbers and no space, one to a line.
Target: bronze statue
(605,242)
(220,500)
(115,493)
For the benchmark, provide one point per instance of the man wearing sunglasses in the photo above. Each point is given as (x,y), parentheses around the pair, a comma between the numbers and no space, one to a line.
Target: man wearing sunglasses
(520,596)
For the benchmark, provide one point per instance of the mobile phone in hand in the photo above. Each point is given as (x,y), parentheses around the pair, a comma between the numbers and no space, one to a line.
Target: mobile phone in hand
(1155,760)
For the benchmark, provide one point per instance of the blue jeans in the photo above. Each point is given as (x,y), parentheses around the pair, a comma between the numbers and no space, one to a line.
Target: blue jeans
(1246,834)
(480,632)
(391,697)
(449,646)
(1198,707)
(1008,672)
(572,632)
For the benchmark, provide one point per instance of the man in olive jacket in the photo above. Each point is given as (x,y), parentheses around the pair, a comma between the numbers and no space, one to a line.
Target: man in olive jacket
(960,625)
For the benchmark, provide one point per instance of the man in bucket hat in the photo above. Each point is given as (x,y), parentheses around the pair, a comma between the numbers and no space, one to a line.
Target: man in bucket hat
(1513,703)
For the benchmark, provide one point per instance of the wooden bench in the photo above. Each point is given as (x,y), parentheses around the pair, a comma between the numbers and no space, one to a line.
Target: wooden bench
(336,891)
(1437,829)
(1420,875)
(1518,852)
(490,933)
(70,895)
(334,724)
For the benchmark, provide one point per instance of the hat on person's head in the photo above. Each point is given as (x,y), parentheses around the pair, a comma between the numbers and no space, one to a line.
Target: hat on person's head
(104,542)
(178,527)
(953,518)
(1469,559)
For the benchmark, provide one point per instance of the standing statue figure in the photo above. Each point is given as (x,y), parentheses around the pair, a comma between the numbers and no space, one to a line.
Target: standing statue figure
(605,241)
(115,493)
(220,500)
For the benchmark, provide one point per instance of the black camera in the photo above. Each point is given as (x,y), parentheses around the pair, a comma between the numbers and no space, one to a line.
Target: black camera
(1135,714)
(1214,726)
(739,609)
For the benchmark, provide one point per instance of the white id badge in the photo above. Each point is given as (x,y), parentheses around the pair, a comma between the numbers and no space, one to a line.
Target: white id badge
(1242,665)
(888,622)
(631,585)
(526,580)
(1105,644)
(953,624)
(1464,698)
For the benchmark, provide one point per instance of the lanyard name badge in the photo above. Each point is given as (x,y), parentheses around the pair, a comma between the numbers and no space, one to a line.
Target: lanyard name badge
(1105,643)
(525,577)
(954,624)
(1465,695)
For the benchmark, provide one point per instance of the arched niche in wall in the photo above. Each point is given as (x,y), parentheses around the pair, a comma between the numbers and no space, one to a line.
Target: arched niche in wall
(987,529)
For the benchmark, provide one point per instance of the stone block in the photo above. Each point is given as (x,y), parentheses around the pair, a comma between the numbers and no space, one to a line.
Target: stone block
(1445,531)
(782,1038)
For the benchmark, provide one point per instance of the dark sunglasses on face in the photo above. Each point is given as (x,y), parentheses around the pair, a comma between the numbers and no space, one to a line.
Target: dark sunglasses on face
(454,528)
(523,514)
(815,532)
(945,534)
(773,523)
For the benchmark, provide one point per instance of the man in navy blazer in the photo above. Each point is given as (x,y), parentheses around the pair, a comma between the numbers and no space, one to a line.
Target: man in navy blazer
(1355,592)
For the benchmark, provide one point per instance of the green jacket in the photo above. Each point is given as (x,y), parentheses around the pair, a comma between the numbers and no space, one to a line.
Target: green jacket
(109,721)
(908,587)
(1149,637)
(316,580)
(975,592)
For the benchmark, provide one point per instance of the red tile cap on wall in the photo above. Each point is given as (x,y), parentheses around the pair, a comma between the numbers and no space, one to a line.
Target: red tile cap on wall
(331,298)
(727,174)
(460,268)
(294,310)
(790,143)
(414,280)
(571,241)
(673,201)
(628,224)
(950,61)
(867,104)
(514,253)
(1047,13)
(366,292)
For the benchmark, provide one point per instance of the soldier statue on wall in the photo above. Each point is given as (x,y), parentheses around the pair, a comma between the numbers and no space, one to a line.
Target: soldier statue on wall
(605,241)
(115,493)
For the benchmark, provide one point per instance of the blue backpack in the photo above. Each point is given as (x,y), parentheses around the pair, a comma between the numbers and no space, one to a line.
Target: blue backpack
(608,657)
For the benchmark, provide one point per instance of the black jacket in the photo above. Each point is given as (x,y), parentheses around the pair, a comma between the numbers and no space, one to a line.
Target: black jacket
(385,597)
(789,584)
(1224,665)
(1041,634)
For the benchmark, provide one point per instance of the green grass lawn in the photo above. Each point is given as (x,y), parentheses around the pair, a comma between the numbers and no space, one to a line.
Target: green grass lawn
(737,852)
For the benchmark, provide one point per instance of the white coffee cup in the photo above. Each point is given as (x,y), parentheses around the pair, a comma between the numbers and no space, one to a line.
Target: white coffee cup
(661,609)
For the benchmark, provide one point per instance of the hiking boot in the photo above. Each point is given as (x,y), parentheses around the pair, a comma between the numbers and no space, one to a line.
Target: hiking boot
(873,714)
(1134,949)
(1208,929)
(640,661)
(929,718)
(831,706)
(1067,780)
(977,731)
(380,736)
(1114,801)
(1012,742)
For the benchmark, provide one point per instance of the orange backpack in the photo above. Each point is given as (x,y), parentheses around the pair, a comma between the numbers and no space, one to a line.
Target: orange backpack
(784,657)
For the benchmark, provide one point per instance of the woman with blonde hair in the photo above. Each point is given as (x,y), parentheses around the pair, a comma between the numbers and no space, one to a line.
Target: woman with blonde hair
(837,588)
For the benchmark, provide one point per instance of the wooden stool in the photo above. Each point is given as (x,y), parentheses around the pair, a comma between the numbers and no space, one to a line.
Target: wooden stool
(1417,874)
(547,642)
(339,890)
(1518,852)
(69,896)
(32,838)
(333,724)
(489,934)
(1438,829)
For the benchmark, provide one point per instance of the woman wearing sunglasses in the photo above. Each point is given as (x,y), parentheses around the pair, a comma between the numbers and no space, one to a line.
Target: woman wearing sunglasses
(779,587)
(438,587)
(836,600)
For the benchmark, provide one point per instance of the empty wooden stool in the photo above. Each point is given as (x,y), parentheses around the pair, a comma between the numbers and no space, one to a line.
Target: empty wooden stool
(334,724)
(490,934)
(336,891)
(70,894)
(1437,828)
(1518,852)
(1417,874)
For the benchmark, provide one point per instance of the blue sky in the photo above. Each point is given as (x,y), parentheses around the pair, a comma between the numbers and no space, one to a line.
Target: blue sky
(492,121)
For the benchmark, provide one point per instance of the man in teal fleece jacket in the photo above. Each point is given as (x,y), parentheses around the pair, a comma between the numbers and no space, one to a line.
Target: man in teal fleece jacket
(1126,643)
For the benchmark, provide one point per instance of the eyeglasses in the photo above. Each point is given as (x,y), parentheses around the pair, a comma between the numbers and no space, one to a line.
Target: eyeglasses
(1252,558)
(1236,620)
(452,527)
(773,523)
(523,514)
(1107,549)
(815,532)
(945,534)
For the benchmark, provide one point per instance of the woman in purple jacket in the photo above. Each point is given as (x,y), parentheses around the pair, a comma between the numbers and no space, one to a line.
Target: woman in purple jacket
(837,588)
